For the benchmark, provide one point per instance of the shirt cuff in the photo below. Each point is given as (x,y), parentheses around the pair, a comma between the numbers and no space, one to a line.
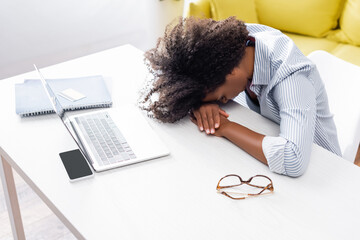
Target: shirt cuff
(273,148)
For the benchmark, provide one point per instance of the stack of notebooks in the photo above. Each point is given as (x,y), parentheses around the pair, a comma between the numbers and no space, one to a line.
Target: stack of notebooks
(31,98)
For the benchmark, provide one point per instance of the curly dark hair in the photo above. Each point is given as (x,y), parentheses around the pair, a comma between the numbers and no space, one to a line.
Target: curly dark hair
(191,60)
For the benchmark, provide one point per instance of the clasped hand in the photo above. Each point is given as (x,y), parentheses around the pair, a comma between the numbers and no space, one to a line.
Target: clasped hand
(210,118)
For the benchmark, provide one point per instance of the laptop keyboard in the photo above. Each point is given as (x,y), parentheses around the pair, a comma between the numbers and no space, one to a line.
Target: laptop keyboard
(106,138)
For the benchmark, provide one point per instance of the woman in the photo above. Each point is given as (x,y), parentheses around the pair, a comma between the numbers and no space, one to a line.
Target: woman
(201,62)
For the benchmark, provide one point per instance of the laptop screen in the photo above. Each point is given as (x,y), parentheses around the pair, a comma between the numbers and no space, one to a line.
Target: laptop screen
(59,110)
(53,99)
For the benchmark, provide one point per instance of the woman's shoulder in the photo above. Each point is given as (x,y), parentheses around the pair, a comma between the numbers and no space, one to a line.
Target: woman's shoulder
(254,28)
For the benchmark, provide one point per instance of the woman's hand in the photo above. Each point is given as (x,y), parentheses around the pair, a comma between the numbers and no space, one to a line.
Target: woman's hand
(208,117)
(241,136)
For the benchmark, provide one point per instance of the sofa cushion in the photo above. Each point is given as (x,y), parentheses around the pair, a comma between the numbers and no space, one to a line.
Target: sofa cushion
(309,44)
(309,17)
(197,8)
(242,9)
(349,31)
(347,52)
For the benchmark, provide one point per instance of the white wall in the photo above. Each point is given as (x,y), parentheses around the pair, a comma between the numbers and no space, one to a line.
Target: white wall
(46,32)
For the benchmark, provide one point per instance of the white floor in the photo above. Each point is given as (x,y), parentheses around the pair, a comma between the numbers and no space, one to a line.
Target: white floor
(39,222)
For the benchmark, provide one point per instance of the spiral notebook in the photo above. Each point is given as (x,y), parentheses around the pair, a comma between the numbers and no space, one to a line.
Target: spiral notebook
(31,98)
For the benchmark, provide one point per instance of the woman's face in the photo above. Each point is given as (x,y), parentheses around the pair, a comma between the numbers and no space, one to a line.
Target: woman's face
(236,81)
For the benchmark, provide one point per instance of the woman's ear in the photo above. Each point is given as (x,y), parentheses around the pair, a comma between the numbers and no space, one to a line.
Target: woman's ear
(234,71)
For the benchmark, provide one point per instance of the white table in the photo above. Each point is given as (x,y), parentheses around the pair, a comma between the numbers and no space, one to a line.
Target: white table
(172,197)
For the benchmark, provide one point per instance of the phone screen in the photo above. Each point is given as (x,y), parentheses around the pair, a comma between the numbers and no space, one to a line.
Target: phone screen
(75,164)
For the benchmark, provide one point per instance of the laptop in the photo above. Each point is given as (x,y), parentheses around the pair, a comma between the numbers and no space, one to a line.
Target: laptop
(110,138)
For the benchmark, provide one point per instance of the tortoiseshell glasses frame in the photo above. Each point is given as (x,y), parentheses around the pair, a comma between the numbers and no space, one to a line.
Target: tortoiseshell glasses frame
(266,189)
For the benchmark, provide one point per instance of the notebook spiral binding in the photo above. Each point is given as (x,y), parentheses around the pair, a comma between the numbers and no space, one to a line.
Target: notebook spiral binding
(42,112)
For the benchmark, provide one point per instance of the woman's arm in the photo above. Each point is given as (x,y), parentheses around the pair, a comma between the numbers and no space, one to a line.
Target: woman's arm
(246,139)
(288,153)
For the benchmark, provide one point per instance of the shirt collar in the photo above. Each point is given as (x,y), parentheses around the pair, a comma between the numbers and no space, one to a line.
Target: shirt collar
(261,75)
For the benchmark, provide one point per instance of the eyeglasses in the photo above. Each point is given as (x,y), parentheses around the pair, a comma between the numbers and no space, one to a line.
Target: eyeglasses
(240,189)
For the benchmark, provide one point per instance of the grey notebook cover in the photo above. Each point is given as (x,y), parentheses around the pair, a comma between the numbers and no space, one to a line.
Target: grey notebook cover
(31,98)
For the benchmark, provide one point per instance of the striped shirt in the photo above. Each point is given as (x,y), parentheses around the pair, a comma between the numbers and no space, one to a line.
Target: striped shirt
(291,93)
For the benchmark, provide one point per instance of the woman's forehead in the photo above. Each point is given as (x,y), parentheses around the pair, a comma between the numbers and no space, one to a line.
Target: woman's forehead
(212,96)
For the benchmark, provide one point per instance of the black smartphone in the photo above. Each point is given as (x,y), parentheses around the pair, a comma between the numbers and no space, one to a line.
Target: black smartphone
(77,167)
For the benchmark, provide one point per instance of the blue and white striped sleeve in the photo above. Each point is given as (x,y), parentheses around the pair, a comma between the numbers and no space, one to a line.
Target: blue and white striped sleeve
(289,153)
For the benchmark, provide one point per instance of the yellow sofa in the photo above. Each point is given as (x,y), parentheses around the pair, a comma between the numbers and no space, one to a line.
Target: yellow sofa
(329,25)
